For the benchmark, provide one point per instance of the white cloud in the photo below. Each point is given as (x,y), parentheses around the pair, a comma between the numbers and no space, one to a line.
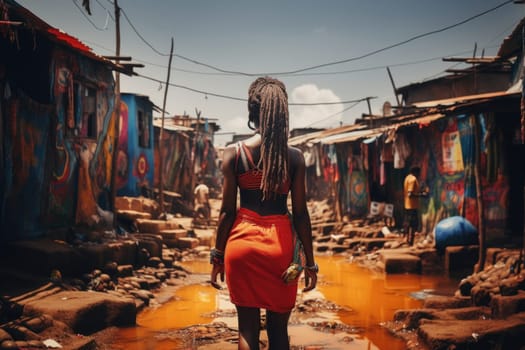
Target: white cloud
(314,116)
(231,126)
(322,116)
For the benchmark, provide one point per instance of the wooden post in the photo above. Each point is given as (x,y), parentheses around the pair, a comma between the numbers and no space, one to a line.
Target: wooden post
(393,86)
(479,198)
(522,110)
(369,108)
(114,162)
(161,134)
(194,155)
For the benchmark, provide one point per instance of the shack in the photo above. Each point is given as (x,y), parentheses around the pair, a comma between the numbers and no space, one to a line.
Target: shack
(57,127)
(135,168)
(462,129)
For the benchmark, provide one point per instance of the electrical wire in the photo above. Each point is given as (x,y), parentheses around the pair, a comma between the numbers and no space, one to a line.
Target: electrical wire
(107,11)
(409,63)
(404,41)
(335,114)
(89,19)
(323,64)
(140,36)
(206,93)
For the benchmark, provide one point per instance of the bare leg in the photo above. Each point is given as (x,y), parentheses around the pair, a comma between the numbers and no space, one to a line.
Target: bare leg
(249,319)
(277,329)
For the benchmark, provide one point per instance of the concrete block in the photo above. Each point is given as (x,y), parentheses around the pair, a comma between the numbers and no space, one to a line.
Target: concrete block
(504,306)
(461,257)
(187,243)
(85,312)
(155,226)
(401,263)
(174,233)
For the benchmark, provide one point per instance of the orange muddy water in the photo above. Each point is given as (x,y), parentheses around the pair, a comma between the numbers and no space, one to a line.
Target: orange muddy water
(368,298)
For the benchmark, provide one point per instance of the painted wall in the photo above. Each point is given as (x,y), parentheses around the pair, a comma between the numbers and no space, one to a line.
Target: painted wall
(53,173)
(177,168)
(135,167)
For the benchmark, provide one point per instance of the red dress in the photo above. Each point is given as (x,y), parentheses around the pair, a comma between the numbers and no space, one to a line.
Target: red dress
(259,249)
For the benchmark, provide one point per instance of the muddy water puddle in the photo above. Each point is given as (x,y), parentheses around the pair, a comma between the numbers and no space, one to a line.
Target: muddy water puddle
(366,298)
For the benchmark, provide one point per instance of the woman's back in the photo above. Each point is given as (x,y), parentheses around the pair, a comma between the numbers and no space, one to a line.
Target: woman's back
(249,177)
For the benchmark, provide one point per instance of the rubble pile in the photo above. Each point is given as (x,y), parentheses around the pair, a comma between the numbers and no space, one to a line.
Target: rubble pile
(41,332)
(32,319)
(506,277)
(486,312)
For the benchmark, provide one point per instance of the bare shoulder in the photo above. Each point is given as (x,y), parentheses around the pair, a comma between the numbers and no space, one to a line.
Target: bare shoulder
(229,155)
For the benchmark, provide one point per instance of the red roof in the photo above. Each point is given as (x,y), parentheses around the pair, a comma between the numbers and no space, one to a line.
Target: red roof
(16,12)
(69,40)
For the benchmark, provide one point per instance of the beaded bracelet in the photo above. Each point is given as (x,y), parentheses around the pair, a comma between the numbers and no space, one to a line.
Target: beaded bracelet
(314,268)
(216,257)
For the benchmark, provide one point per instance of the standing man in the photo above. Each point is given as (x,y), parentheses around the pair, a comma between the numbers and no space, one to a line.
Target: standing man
(202,202)
(412,193)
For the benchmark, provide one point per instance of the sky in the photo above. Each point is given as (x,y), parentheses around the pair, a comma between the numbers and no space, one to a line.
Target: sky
(332,51)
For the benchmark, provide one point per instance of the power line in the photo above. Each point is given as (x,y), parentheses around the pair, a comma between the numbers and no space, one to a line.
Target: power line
(335,114)
(401,64)
(324,64)
(293,75)
(206,93)
(140,36)
(107,11)
(402,42)
(89,19)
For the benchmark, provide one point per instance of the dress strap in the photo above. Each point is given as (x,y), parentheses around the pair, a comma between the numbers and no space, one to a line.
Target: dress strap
(248,155)
(241,153)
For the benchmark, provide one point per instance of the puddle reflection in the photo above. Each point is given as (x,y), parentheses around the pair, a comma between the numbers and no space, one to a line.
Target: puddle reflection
(369,299)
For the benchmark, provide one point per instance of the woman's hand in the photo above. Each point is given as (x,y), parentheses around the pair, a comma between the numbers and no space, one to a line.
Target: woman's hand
(217,269)
(310,278)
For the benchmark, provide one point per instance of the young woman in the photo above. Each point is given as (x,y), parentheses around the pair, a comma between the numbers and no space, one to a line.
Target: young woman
(255,243)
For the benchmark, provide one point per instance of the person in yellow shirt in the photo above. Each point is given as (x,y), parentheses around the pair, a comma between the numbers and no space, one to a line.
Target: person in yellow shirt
(412,192)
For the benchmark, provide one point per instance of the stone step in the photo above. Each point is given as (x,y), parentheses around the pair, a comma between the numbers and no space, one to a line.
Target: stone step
(459,258)
(156,226)
(473,334)
(394,262)
(85,312)
(369,243)
(174,233)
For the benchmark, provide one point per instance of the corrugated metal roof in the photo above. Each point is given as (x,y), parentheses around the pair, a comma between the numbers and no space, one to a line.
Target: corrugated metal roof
(294,141)
(350,136)
(314,136)
(461,99)
(362,134)
(422,121)
(33,22)
(512,44)
(169,125)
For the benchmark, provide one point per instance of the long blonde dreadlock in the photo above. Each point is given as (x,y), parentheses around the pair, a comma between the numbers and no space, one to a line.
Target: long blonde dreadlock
(268,109)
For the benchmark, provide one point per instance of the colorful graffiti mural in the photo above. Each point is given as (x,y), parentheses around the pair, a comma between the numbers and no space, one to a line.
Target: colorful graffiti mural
(55,166)
(135,168)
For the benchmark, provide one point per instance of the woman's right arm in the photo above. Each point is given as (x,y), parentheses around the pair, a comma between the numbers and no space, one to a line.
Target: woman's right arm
(227,212)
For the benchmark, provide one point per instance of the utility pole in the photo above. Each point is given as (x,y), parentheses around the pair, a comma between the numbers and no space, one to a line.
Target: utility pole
(369,107)
(194,152)
(117,118)
(393,86)
(522,127)
(161,133)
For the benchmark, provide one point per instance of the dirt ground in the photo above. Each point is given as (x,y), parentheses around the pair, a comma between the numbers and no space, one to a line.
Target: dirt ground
(486,312)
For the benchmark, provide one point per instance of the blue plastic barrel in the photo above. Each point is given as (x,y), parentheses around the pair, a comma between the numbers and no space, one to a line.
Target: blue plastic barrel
(454,231)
